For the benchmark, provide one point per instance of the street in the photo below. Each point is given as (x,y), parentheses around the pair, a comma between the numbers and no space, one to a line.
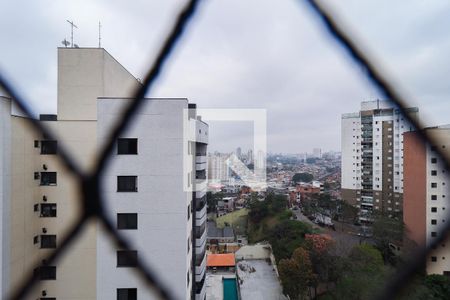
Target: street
(345,235)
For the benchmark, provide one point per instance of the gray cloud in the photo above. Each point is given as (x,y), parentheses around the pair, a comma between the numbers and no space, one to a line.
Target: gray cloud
(244,54)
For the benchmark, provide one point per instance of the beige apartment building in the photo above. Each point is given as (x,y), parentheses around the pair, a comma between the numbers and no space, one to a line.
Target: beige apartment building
(39,197)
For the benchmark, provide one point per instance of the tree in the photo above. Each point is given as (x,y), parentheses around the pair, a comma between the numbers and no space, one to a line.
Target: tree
(258,210)
(287,236)
(324,263)
(438,285)
(360,274)
(302,177)
(296,274)
(278,203)
(212,199)
(434,287)
(387,230)
(348,212)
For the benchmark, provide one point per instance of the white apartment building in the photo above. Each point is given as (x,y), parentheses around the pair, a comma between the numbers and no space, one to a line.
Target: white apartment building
(372,157)
(426,193)
(144,186)
(218,169)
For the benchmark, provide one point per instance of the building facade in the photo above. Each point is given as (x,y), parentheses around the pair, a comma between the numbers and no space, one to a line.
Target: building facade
(426,190)
(372,158)
(151,196)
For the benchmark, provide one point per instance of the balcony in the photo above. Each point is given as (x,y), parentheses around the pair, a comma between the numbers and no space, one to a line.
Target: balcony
(200,216)
(200,174)
(199,230)
(199,257)
(200,166)
(200,184)
(200,204)
(200,159)
(200,270)
(200,242)
(200,291)
(200,194)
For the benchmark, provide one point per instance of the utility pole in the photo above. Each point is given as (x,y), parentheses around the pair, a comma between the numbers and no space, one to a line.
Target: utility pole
(72,26)
(99,34)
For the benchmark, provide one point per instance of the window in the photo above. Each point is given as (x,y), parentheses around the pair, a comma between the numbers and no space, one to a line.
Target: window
(45,272)
(127,221)
(127,183)
(126,258)
(48,210)
(433,173)
(49,147)
(48,241)
(433,234)
(48,178)
(434,160)
(433,184)
(433,258)
(127,146)
(433,197)
(433,209)
(126,294)
(433,222)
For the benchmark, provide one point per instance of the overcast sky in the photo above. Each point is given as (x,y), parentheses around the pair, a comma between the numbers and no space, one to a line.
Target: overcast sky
(244,54)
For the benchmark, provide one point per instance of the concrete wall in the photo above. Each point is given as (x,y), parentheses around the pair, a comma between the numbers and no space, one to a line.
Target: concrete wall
(85,74)
(5,190)
(161,202)
(414,186)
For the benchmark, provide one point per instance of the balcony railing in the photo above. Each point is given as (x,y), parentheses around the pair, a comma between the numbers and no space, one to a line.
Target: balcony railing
(200,270)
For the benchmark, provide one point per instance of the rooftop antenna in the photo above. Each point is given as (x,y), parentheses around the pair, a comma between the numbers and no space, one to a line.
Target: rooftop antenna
(72,26)
(99,34)
(65,42)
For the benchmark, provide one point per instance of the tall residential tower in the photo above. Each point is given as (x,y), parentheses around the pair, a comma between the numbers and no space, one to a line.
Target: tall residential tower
(372,158)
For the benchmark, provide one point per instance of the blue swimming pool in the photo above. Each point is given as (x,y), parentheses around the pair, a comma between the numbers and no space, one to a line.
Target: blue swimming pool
(230,289)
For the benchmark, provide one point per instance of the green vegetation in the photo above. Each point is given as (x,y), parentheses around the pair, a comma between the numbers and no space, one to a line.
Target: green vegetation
(296,274)
(387,230)
(433,287)
(237,219)
(270,220)
(302,177)
(212,199)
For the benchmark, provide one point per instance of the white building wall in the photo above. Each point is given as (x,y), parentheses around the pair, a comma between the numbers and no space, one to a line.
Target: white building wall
(161,202)
(351,149)
(442,194)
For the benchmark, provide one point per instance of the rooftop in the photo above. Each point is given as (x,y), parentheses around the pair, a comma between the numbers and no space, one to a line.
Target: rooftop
(258,280)
(214,232)
(221,260)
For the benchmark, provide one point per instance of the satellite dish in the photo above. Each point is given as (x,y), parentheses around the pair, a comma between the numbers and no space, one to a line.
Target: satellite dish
(65,43)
